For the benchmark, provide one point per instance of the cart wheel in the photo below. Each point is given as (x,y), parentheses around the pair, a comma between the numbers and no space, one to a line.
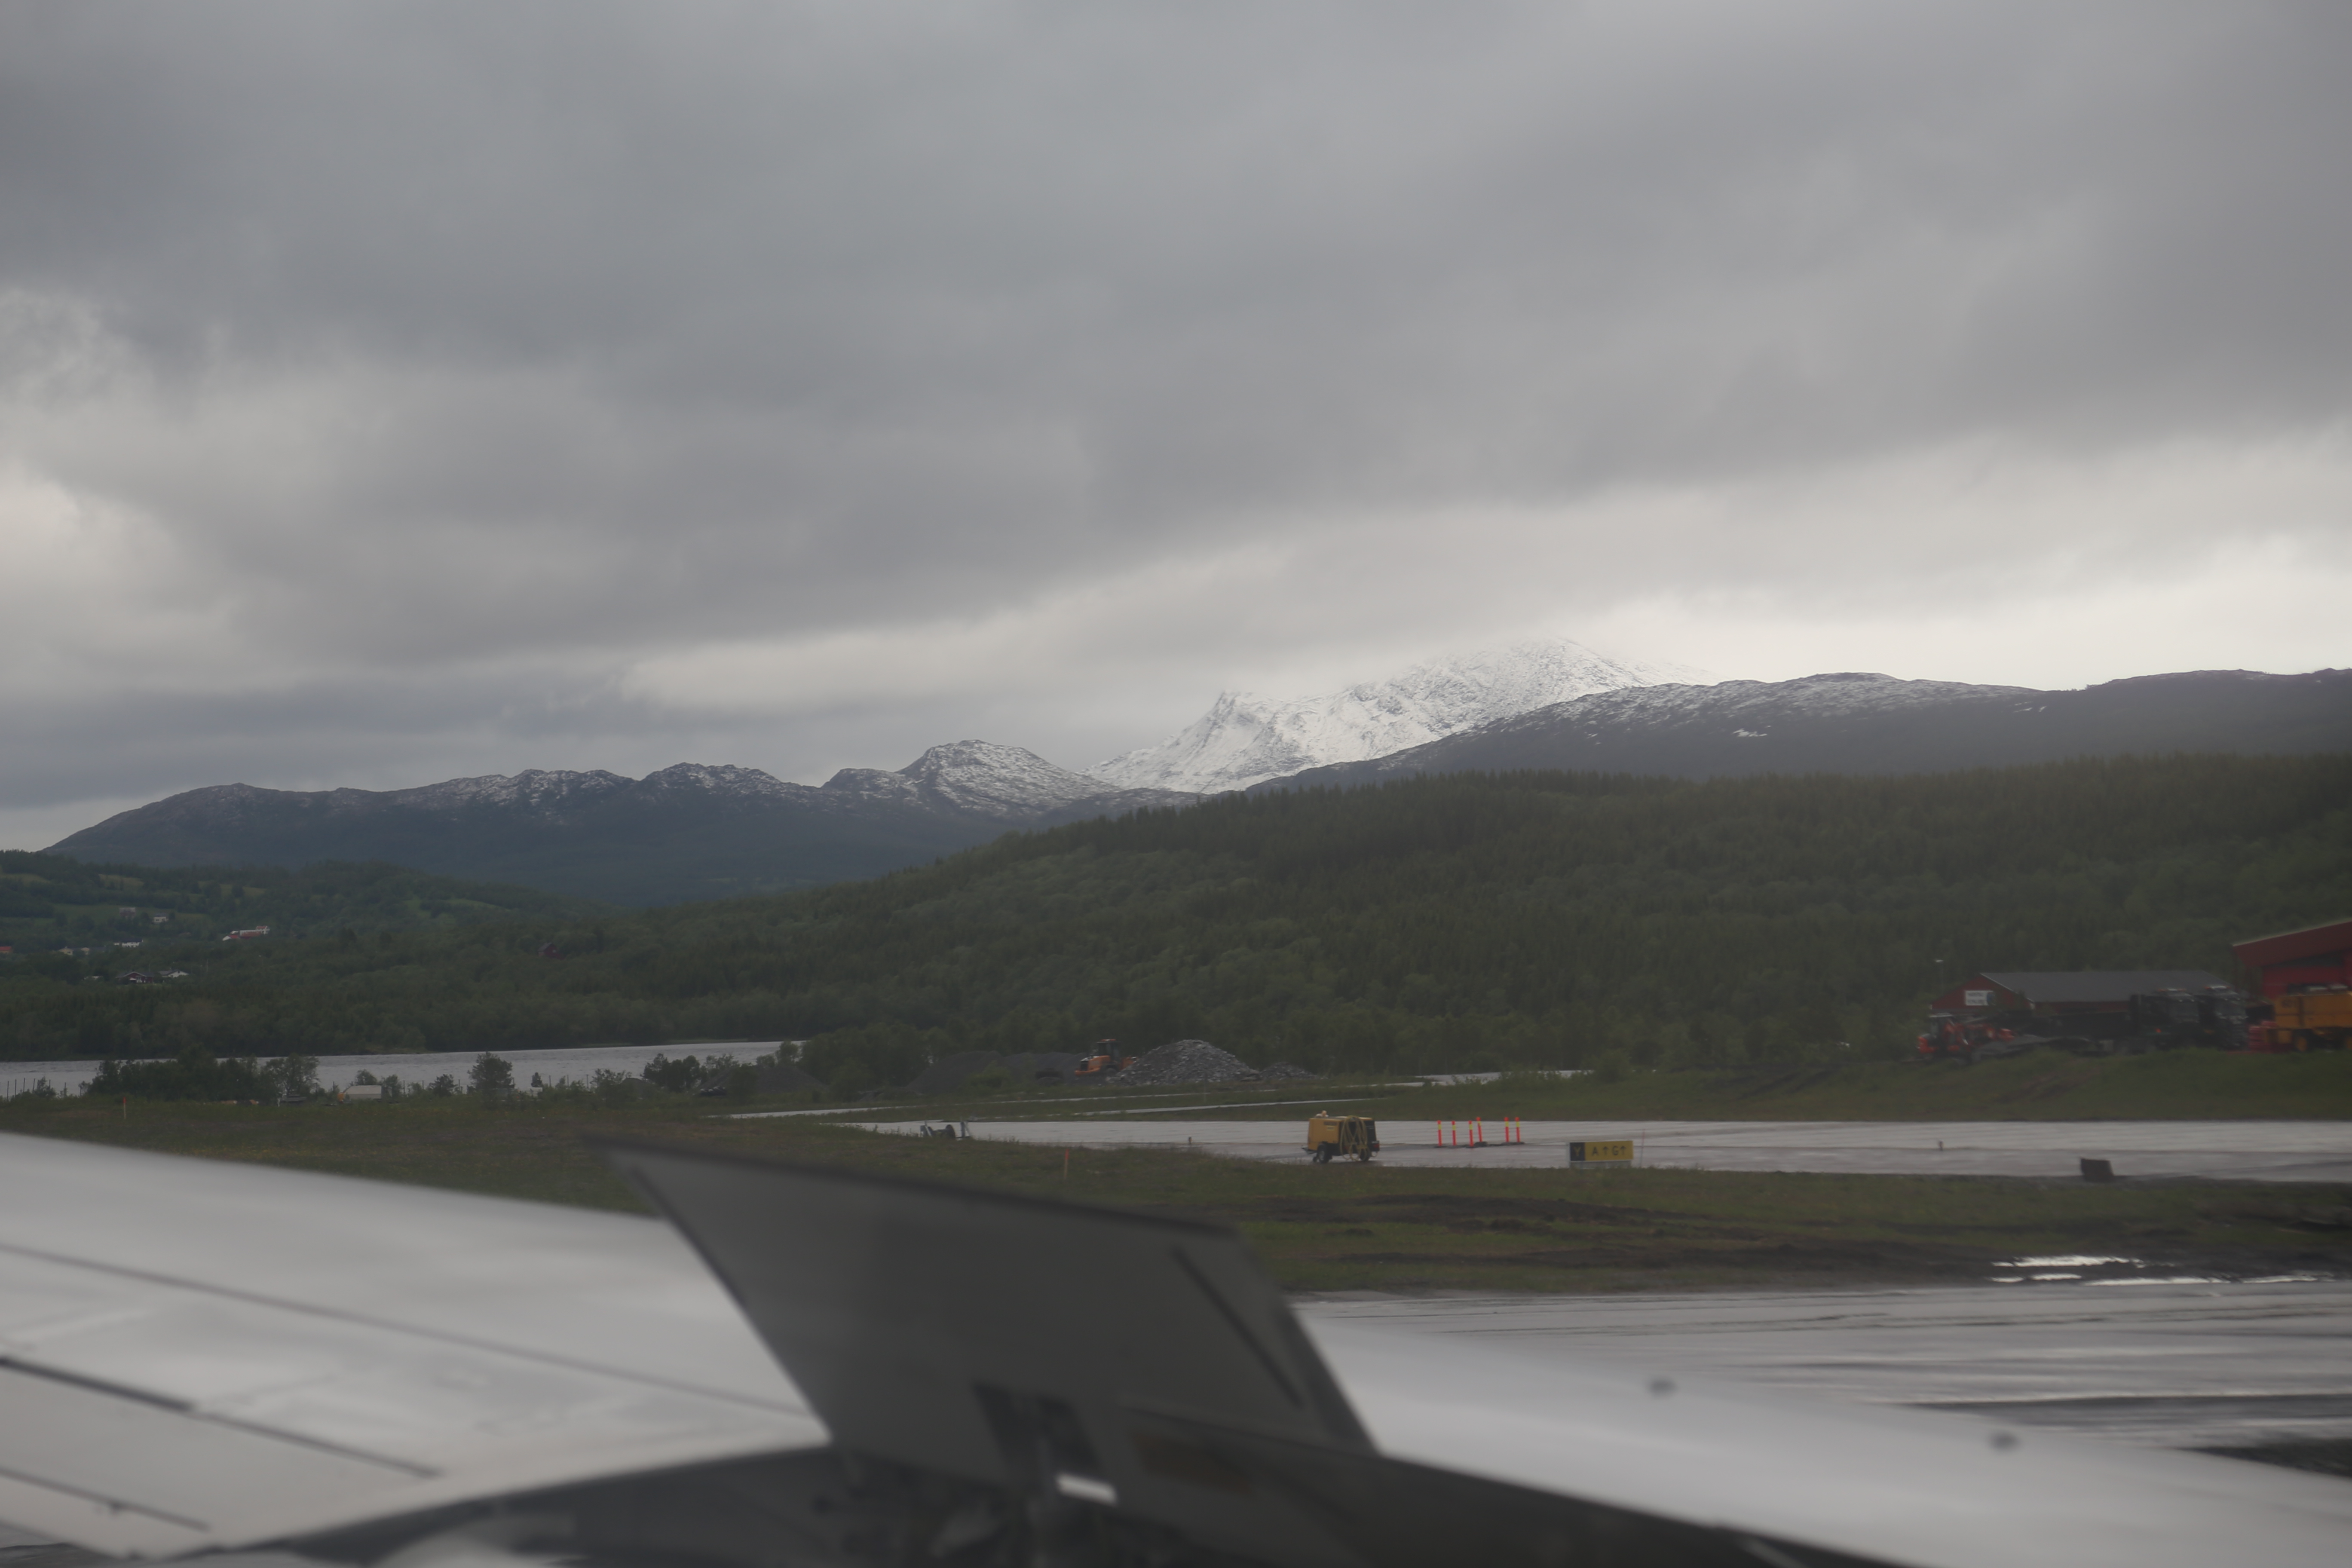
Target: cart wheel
(1323,1155)
(1364,1155)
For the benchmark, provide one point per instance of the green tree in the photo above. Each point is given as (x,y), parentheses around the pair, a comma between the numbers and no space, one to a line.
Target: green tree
(294,1076)
(491,1077)
(681,1075)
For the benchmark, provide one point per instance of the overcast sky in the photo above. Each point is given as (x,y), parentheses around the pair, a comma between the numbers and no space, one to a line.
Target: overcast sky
(391,392)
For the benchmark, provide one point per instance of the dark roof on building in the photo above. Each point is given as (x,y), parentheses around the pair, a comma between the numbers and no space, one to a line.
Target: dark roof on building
(2287,946)
(2100,984)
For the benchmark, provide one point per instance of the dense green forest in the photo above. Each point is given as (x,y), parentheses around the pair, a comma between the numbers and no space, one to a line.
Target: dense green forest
(1461,921)
(49,901)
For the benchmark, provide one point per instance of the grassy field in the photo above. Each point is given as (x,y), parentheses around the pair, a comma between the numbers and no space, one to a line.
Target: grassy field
(2175,1085)
(1336,1227)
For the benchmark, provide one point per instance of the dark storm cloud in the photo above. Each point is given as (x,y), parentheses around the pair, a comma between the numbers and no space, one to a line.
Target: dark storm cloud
(471,343)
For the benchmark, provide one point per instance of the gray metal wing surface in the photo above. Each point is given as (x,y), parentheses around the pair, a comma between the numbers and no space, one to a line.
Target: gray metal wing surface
(196,1354)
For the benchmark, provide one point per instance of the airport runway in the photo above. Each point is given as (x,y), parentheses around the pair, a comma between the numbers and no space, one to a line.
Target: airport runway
(2244,1151)
(2162,1365)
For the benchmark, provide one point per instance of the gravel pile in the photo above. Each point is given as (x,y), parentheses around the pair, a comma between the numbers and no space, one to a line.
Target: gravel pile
(1286,1070)
(1186,1061)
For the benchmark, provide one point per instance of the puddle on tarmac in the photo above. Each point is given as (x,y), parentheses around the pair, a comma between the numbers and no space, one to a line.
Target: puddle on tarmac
(2086,1269)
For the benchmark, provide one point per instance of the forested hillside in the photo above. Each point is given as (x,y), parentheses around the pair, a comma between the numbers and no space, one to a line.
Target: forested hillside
(49,902)
(1460,921)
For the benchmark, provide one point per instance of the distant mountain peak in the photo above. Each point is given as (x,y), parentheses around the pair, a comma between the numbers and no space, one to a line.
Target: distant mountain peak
(992,780)
(1244,739)
(999,783)
(723,780)
(539,787)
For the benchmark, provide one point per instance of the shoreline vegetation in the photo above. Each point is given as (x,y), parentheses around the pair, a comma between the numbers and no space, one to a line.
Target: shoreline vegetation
(2188,1083)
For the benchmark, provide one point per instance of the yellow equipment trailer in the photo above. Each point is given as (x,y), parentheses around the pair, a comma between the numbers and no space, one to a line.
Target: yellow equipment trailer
(1328,1136)
(2312,1021)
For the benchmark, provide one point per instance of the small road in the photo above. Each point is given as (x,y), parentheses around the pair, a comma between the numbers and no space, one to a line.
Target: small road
(2244,1151)
(2160,1363)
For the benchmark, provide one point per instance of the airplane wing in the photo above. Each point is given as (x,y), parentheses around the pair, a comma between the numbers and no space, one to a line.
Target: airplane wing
(197,1355)
(1152,1358)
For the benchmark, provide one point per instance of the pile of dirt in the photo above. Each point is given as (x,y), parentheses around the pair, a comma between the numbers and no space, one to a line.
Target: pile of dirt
(1273,1070)
(1185,1061)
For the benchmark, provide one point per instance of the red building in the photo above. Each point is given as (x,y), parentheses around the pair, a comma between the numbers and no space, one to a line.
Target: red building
(2315,957)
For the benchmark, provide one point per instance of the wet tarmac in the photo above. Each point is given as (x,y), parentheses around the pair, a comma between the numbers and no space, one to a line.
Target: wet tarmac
(2243,1150)
(2165,1364)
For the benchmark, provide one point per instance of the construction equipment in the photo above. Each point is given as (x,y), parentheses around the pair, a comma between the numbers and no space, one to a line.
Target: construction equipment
(2313,1020)
(1330,1137)
(1100,1061)
(2215,1017)
(1956,1036)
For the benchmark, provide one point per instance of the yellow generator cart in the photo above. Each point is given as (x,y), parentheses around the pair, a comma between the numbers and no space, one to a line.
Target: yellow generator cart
(1328,1136)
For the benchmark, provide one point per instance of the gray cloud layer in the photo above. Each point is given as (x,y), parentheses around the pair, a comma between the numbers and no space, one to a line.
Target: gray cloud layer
(387,391)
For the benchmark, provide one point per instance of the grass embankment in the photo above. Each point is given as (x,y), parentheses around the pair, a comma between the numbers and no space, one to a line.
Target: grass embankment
(2185,1085)
(1343,1227)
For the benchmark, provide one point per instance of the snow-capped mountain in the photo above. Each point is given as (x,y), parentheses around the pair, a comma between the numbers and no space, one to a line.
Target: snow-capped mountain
(556,791)
(1861,724)
(694,831)
(688,831)
(1243,740)
(999,781)
(538,788)
(1002,784)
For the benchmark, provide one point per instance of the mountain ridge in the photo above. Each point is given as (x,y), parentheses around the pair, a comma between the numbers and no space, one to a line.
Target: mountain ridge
(690,830)
(1863,722)
(694,831)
